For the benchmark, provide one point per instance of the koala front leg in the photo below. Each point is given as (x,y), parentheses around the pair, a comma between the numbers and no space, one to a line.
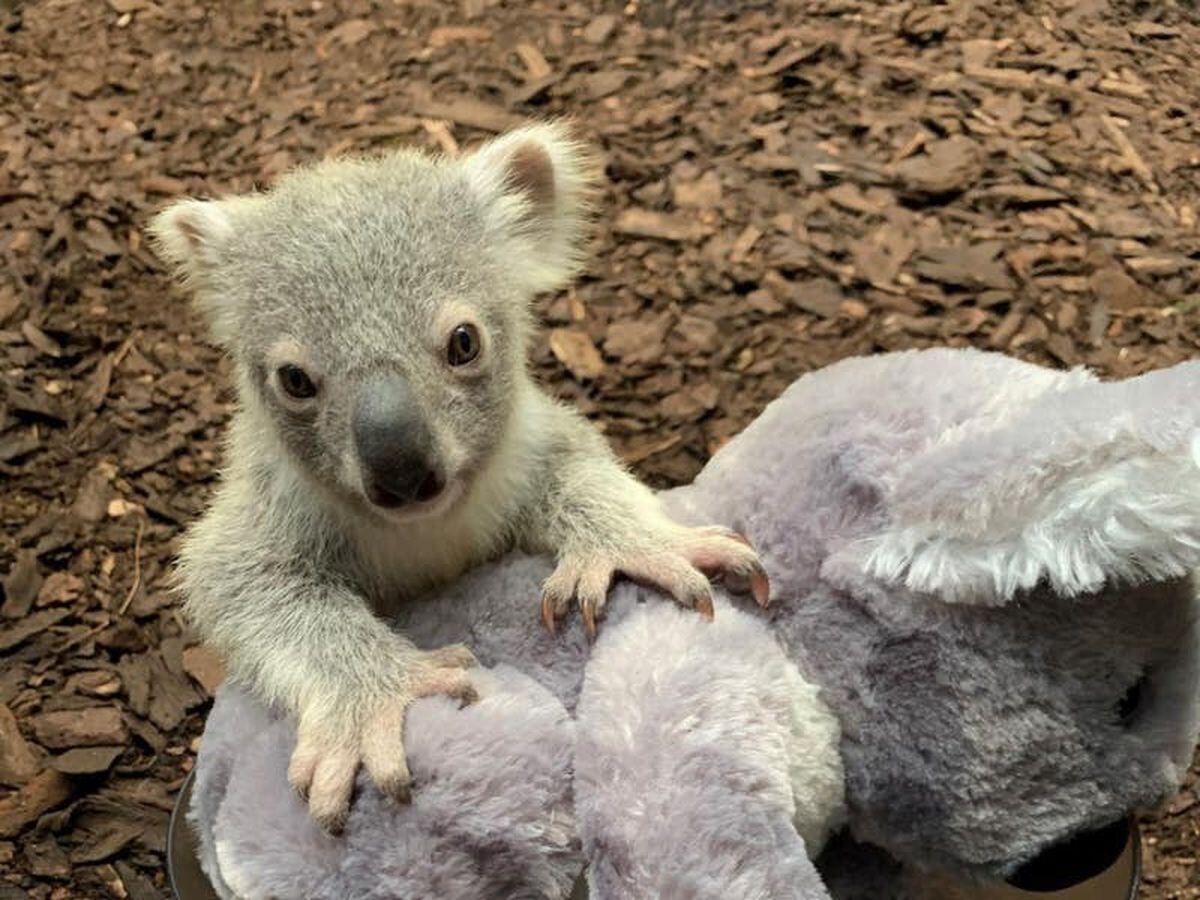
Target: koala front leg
(602,522)
(658,552)
(310,644)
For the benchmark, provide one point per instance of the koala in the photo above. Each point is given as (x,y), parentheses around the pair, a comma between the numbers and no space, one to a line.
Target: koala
(389,436)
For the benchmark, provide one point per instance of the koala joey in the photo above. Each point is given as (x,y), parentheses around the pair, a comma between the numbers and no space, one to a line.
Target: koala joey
(389,436)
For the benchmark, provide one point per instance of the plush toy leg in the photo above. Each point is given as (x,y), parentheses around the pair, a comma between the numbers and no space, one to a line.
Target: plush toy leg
(706,766)
(234,720)
(491,816)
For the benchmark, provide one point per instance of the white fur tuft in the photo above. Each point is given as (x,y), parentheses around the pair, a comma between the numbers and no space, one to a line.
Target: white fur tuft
(1133,516)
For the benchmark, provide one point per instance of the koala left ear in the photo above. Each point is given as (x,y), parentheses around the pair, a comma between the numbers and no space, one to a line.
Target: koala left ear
(1099,483)
(536,182)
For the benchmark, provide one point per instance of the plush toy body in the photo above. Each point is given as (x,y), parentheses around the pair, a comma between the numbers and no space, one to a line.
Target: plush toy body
(984,640)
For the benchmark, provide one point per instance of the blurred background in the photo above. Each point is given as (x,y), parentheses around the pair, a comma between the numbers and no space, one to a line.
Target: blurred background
(787,184)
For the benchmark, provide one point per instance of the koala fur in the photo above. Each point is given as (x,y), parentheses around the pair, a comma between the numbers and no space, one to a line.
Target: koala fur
(389,435)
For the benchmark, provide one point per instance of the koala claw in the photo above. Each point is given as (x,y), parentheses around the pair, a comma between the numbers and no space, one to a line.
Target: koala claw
(740,570)
(327,757)
(681,570)
(549,618)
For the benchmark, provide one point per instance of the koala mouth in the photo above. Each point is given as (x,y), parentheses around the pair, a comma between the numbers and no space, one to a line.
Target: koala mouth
(1100,863)
(436,495)
(423,491)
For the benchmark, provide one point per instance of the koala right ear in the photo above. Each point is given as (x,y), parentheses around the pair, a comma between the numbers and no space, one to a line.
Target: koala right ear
(194,237)
(536,182)
(191,234)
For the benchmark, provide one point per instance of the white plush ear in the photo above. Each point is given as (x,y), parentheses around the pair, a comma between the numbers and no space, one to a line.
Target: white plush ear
(536,182)
(1089,486)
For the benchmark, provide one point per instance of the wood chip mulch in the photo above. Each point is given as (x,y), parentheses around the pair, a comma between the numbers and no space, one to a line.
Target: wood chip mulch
(788,184)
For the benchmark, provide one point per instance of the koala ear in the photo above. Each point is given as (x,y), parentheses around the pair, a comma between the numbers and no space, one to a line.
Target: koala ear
(536,182)
(193,237)
(1095,484)
(190,235)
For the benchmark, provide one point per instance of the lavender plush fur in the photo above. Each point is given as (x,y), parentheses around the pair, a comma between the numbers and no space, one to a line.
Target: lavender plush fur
(984,639)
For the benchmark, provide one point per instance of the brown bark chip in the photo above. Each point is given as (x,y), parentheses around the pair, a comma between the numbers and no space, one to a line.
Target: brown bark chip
(945,167)
(600,28)
(662,226)
(86,760)
(18,761)
(21,585)
(818,296)
(205,667)
(88,727)
(575,350)
(46,859)
(40,795)
(33,624)
(1115,287)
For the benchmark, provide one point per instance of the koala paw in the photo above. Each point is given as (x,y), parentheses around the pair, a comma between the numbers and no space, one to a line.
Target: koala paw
(680,564)
(331,744)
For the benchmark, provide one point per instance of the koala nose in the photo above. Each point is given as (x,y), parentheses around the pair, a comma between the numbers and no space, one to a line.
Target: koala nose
(394,445)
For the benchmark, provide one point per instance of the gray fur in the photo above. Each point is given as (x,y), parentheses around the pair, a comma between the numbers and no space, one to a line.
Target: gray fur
(358,273)
(976,729)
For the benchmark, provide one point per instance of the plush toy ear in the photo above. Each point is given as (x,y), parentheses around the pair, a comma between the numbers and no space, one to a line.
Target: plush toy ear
(1085,486)
(536,182)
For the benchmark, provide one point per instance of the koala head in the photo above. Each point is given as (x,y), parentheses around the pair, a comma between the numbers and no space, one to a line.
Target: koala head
(378,310)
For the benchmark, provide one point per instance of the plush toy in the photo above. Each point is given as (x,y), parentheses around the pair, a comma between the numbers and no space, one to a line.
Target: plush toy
(983,642)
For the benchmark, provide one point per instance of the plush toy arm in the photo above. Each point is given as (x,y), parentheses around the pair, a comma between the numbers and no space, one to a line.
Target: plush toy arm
(706,766)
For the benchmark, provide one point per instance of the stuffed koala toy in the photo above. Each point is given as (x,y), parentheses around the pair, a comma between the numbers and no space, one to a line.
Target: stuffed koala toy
(984,640)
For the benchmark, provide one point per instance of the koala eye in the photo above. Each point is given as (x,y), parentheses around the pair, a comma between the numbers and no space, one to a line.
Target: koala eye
(296,383)
(464,345)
